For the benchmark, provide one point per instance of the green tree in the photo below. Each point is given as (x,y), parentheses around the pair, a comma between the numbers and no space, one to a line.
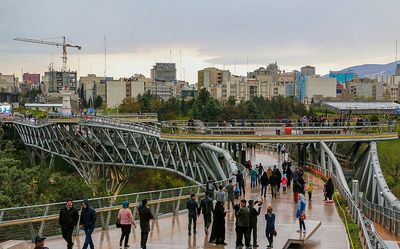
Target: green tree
(98,102)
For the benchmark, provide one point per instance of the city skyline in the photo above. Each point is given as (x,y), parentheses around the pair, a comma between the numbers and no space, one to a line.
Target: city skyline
(329,36)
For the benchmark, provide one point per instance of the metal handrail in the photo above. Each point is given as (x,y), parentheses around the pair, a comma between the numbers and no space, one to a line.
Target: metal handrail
(213,128)
(371,237)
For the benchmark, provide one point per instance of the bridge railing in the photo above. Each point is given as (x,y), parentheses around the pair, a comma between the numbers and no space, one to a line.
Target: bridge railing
(370,237)
(273,127)
(25,222)
(386,217)
(125,124)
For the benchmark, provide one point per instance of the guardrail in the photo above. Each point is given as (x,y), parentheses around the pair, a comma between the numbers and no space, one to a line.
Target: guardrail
(276,128)
(26,222)
(370,237)
(386,217)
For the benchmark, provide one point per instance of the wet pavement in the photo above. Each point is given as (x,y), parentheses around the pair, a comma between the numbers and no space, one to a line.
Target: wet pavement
(171,231)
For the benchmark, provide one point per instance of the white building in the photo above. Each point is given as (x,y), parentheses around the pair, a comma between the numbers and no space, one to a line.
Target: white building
(318,88)
(116,93)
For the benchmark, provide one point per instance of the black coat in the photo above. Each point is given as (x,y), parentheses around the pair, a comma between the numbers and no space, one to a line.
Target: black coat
(145,217)
(218,226)
(88,217)
(253,215)
(206,206)
(68,218)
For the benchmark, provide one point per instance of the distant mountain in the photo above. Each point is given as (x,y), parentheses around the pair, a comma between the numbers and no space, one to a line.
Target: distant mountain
(369,70)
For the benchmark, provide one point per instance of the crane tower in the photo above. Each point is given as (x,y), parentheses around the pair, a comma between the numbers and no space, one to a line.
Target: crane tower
(64,45)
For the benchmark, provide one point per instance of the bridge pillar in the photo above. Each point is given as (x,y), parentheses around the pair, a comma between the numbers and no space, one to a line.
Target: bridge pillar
(323,163)
(355,191)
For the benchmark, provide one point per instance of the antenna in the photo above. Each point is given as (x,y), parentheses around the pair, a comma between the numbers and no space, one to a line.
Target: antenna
(395,64)
(184,76)
(180,64)
(105,57)
(170,56)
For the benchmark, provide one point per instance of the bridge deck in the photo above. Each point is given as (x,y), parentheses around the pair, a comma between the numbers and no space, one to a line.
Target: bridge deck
(171,231)
(274,138)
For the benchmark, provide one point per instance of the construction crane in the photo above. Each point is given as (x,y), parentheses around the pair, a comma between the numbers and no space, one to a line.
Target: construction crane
(64,45)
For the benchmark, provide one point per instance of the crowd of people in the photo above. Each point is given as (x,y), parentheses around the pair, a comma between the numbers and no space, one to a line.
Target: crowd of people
(211,207)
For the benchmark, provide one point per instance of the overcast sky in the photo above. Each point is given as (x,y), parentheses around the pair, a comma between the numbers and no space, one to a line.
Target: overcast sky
(329,35)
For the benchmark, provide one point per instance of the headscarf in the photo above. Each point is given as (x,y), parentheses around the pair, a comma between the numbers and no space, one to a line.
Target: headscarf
(125,204)
(302,197)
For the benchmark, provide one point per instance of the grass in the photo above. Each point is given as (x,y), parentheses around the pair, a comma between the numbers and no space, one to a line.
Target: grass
(352,229)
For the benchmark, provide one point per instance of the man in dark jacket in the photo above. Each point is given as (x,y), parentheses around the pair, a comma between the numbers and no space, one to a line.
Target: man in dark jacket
(211,186)
(193,208)
(253,219)
(242,224)
(145,217)
(88,222)
(206,207)
(68,219)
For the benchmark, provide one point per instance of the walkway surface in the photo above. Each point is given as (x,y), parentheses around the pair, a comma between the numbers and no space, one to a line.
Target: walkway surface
(171,231)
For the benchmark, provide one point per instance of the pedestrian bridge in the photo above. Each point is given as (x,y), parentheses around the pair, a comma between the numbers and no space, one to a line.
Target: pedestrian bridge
(101,147)
(169,230)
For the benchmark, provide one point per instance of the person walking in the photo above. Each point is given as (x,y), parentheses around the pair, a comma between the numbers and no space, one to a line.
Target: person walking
(218,228)
(253,174)
(310,190)
(68,219)
(211,187)
(145,216)
(240,183)
(206,207)
(300,213)
(254,213)
(126,221)
(273,181)
(330,189)
(39,242)
(270,226)
(220,196)
(264,184)
(242,224)
(289,175)
(231,195)
(193,208)
(88,221)
(284,182)
(260,172)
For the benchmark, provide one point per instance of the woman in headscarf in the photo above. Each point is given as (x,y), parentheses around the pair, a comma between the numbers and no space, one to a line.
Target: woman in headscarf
(301,207)
(330,189)
(218,227)
(126,220)
(270,229)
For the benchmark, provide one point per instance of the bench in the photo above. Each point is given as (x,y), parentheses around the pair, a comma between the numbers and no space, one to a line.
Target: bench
(14,244)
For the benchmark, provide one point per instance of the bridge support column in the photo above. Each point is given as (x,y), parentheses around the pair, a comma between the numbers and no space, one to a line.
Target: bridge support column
(323,163)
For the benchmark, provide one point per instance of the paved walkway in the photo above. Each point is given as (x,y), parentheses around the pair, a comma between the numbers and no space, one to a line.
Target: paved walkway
(171,232)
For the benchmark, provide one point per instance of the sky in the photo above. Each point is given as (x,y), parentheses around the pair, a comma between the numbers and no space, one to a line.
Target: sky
(230,34)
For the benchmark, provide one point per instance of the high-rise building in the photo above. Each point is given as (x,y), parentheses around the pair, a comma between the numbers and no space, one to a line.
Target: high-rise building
(32,78)
(398,70)
(307,70)
(212,76)
(92,86)
(55,81)
(163,72)
(342,76)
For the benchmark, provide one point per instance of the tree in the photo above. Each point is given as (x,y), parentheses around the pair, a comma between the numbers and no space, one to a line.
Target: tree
(98,102)
(129,105)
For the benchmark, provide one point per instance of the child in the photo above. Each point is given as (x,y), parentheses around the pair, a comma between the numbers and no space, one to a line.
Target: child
(284,182)
(309,190)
